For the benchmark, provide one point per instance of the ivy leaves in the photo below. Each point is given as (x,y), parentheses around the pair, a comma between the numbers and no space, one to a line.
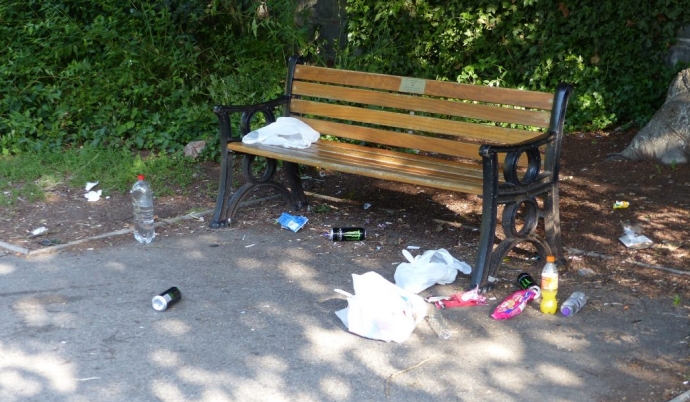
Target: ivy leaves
(612,51)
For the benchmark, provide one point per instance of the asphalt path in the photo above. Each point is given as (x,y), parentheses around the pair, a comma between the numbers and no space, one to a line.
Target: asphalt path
(257,323)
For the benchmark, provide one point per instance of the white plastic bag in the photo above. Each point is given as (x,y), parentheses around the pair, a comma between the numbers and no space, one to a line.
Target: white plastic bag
(287,132)
(381,310)
(432,267)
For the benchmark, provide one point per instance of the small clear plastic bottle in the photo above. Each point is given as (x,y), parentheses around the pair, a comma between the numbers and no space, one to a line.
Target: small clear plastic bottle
(439,325)
(142,202)
(574,303)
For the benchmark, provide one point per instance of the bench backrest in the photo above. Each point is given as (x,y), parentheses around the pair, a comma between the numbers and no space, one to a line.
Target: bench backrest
(426,115)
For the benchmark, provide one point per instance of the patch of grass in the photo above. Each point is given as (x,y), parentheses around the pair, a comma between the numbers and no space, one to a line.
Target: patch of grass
(29,176)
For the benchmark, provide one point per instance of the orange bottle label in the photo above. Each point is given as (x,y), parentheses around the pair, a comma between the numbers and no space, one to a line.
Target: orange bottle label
(549,282)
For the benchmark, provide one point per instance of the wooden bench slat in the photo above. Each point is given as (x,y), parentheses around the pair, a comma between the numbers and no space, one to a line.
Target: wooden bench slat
(507,96)
(415,163)
(409,170)
(395,139)
(479,132)
(349,153)
(535,118)
(401,140)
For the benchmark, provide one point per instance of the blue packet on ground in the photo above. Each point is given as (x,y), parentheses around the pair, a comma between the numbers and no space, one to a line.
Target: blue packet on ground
(291,222)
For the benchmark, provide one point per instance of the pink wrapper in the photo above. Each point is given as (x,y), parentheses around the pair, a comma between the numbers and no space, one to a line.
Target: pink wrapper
(515,303)
(469,298)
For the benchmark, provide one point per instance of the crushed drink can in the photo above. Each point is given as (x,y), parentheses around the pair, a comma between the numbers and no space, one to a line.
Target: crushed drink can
(347,234)
(166,299)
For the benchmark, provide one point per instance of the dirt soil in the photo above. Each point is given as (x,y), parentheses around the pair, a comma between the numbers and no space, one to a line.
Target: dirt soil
(658,197)
(397,216)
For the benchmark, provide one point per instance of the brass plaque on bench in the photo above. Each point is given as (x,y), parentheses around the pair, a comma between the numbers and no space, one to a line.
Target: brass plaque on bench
(414,85)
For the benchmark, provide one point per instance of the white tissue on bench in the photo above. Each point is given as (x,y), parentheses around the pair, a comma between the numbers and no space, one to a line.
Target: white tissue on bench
(287,132)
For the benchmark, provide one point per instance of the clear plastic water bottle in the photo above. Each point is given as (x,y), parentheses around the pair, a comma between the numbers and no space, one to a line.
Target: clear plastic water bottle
(142,201)
(574,303)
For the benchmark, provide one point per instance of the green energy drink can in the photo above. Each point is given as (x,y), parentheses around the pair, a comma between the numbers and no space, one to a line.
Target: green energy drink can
(166,299)
(347,234)
(525,281)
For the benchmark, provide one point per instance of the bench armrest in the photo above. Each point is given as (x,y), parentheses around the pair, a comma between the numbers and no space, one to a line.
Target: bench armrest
(513,153)
(536,142)
(267,109)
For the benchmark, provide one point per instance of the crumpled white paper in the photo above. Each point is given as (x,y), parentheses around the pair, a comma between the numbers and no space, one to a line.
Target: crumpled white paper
(632,239)
(287,132)
(90,185)
(92,196)
(39,231)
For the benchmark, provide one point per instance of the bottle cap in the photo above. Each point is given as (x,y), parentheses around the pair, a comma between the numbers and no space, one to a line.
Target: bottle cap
(550,258)
(566,311)
(140,177)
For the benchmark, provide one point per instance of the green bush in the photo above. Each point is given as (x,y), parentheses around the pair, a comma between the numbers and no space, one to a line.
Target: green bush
(612,51)
(138,74)
(144,75)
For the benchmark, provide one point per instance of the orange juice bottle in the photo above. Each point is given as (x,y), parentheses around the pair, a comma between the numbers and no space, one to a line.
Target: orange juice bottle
(549,286)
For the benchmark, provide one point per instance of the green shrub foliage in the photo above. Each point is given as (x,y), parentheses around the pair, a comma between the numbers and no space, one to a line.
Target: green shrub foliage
(145,74)
(612,51)
(134,74)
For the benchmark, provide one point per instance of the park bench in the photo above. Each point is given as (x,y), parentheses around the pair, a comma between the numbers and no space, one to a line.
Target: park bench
(501,144)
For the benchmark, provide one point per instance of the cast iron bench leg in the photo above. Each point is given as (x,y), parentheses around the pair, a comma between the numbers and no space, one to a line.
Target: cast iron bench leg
(482,265)
(552,224)
(253,182)
(295,183)
(220,218)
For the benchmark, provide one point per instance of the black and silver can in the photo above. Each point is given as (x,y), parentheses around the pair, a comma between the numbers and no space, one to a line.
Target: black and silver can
(347,234)
(166,299)
(525,281)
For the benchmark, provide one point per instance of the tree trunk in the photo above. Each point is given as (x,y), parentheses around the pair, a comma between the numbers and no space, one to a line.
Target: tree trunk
(666,138)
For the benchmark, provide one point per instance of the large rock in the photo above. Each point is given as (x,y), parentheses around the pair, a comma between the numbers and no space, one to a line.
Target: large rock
(666,138)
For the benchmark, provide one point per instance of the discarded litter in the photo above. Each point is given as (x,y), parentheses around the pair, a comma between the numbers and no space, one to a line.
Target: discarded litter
(166,299)
(573,304)
(367,205)
(291,222)
(90,185)
(549,286)
(439,325)
(142,202)
(287,132)
(432,267)
(621,204)
(48,242)
(380,310)
(39,231)
(514,304)
(93,196)
(631,238)
(525,281)
(465,299)
(347,234)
